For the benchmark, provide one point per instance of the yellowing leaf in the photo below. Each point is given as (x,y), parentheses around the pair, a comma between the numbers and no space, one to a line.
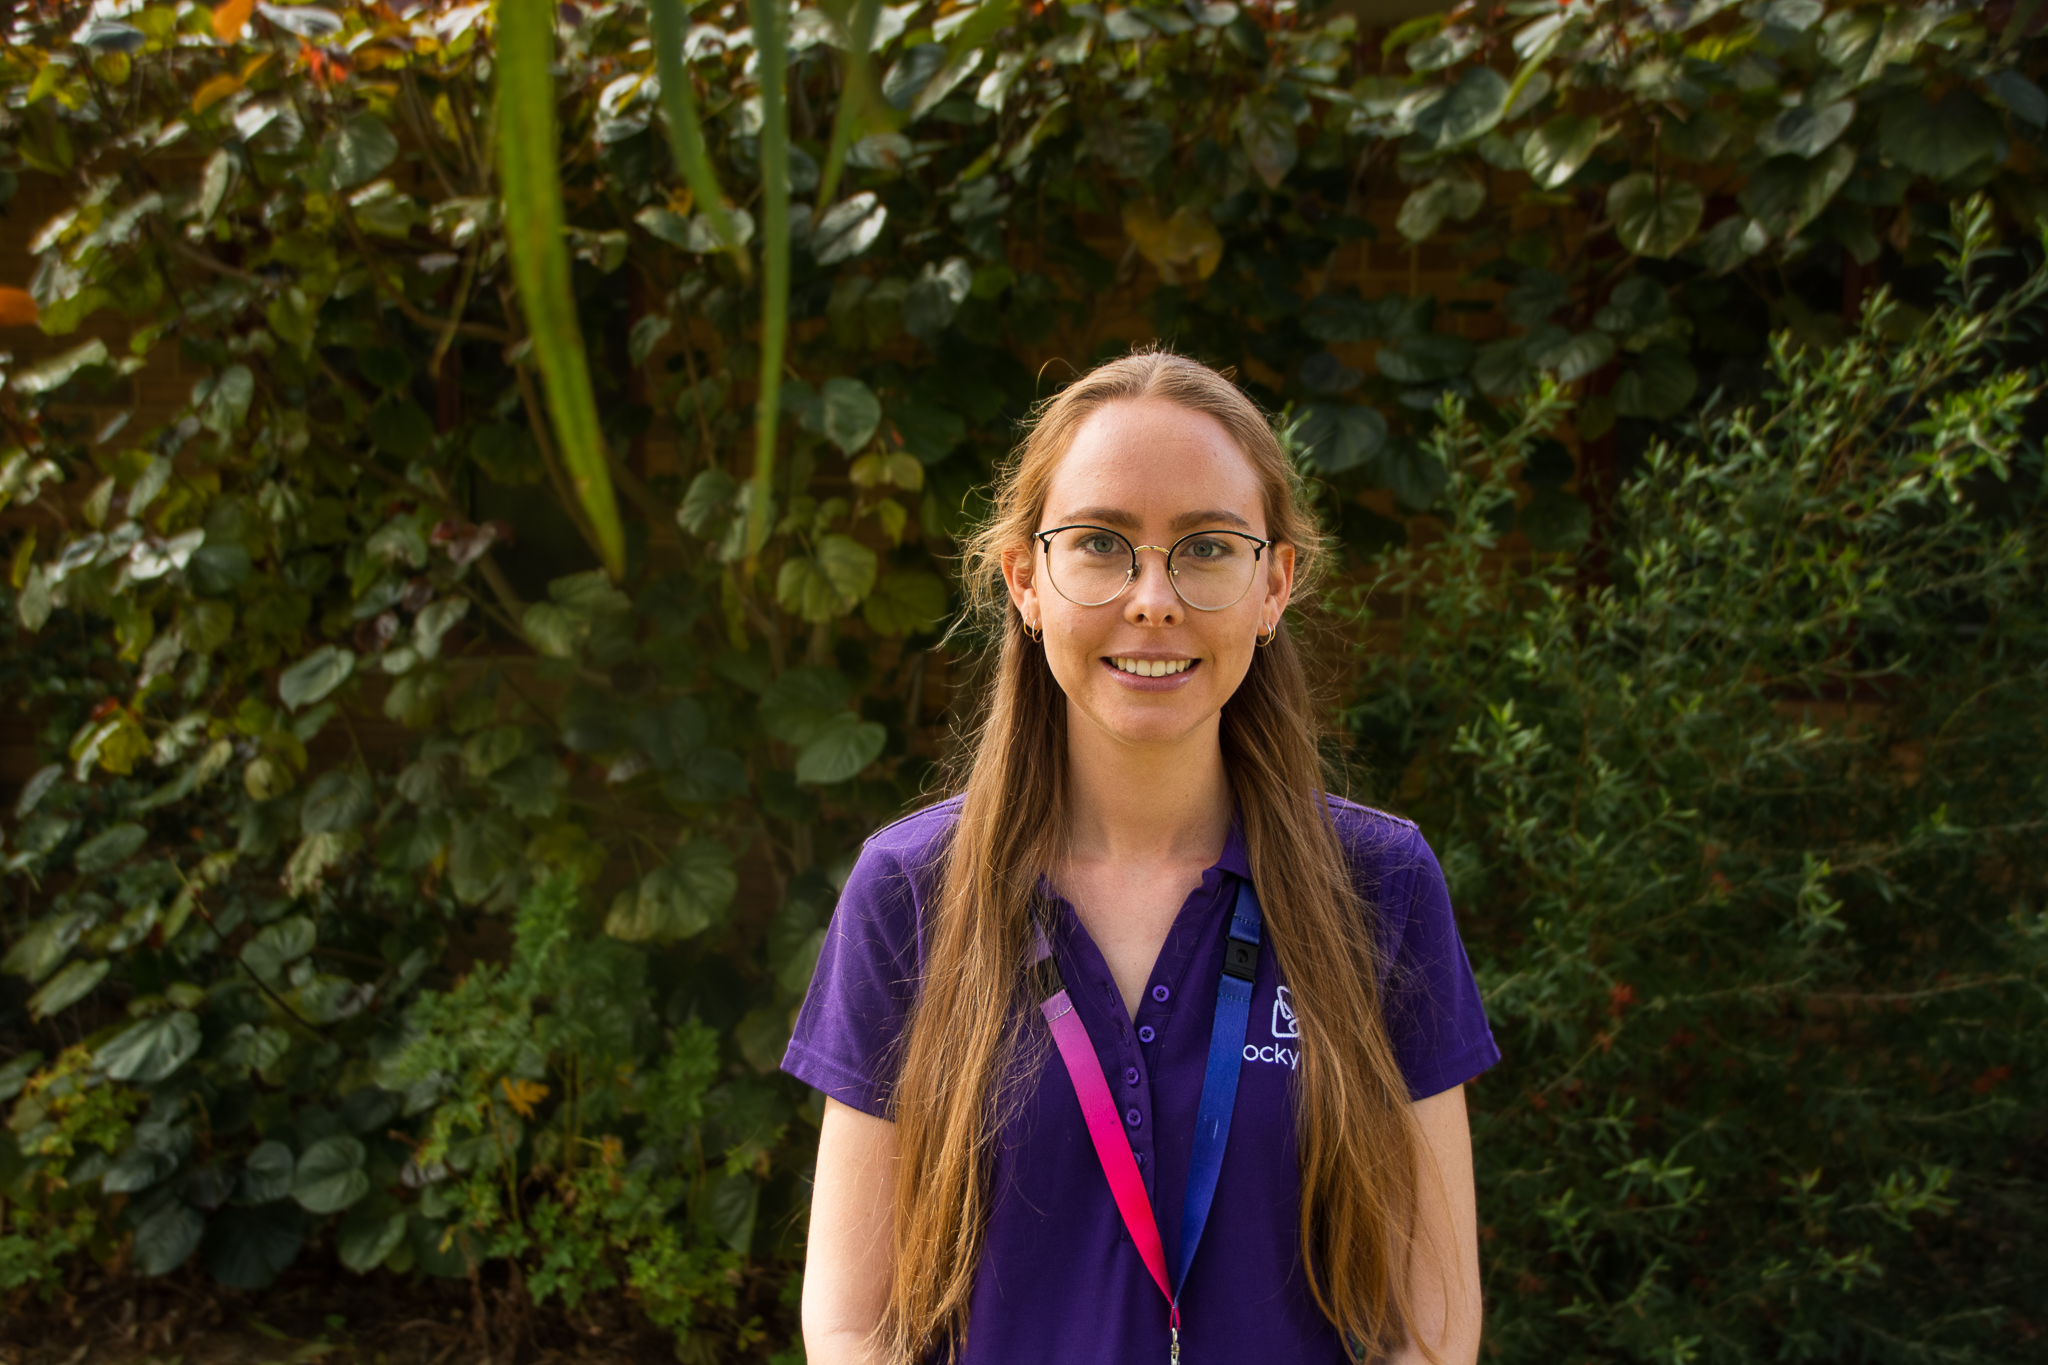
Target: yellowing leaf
(523,1095)
(213,92)
(17,307)
(231,18)
(1185,243)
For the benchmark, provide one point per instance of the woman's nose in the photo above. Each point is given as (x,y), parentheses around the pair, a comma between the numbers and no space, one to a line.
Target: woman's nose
(1151,600)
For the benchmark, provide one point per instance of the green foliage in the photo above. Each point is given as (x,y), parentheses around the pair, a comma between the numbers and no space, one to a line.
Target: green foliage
(442,869)
(1747,845)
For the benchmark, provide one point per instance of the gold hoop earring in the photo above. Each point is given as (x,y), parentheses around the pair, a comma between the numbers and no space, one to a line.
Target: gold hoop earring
(1272,633)
(1033,632)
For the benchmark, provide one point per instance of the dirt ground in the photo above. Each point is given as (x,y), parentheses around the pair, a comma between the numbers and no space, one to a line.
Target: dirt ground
(185,1319)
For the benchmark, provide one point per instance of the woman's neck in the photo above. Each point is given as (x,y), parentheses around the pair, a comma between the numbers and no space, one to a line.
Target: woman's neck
(1138,804)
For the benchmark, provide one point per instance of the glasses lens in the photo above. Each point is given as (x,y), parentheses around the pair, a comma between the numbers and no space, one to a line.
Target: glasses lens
(1213,570)
(1088,565)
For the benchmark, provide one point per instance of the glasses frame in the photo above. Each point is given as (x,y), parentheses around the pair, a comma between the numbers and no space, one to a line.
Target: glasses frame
(1259,547)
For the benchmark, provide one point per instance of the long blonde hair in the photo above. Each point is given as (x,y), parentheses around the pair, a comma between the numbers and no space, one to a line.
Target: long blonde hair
(1351,1103)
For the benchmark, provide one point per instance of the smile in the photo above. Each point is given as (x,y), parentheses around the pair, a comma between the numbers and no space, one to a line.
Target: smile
(1151,668)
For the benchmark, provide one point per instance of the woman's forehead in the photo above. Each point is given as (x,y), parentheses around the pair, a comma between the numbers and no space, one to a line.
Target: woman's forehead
(1152,461)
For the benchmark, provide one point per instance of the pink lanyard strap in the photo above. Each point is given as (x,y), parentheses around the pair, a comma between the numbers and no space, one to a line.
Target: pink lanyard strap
(1112,1148)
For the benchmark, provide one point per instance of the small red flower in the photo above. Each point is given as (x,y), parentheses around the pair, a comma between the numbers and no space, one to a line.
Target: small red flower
(1620,998)
(1988,1082)
(106,708)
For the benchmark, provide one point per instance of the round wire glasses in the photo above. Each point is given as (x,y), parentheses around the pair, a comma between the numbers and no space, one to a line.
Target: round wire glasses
(1092,565)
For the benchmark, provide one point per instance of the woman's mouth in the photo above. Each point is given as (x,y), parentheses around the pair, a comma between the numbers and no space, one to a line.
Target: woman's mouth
(1149,670)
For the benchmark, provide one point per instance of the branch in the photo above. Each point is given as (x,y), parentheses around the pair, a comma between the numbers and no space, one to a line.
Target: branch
(406,305)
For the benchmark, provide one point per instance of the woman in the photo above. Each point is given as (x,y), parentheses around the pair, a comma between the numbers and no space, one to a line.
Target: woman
(1225,1123)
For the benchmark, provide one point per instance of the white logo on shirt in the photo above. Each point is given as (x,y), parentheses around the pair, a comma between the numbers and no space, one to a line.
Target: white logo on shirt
(1285,1025)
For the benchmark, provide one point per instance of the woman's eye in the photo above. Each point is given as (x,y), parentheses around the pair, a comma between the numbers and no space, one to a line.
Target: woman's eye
(1099,545)
(1207,549)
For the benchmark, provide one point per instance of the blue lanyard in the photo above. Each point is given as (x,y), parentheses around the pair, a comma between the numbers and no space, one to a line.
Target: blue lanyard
(1212,1117)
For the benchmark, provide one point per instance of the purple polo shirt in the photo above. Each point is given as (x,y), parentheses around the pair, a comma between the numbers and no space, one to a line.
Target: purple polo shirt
(1059,1279)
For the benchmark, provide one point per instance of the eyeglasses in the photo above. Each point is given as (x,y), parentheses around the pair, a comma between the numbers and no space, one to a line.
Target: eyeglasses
(1092,565)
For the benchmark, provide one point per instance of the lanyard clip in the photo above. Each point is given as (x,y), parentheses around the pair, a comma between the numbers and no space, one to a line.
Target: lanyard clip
(1173,1356)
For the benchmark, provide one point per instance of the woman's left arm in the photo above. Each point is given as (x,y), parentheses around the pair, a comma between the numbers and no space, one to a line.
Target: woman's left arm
(1445,1262)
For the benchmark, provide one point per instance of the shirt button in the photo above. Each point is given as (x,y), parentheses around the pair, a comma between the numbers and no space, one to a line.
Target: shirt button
(1133,1117)
(1130,1075)
(1141,1158)
(1160,993)
(1146,1033)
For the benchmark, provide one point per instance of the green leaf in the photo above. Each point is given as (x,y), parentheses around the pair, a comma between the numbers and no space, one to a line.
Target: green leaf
(527,148)
(707,777)
(1416,476)
(357,151)
(904,602)
(224,399)
(554,630)
(1729,243)
(1554,152)
(337,802)
(1555,520)
(848,228)
(1425,210)
(491,748)
(38,952)
(802,701)
(369,1235)
(278,946)
(248,1248)
(666,20)
(1573,357)
(1651,220)
(734,1200)
(1470,111)
(1337,437)
(844,746)
(57,371)
(930,433)
(312,678)
(850,412)
(1445,48)
(849,565)
(483,855)
(1940,141)
(1267,130)
(150,1049)
(1806,131)
(1788,192)
(707,508)
(1426,358)
(1659,386)
(109,848)
(266,1174)
(330,1175)
(67,987)
(676,901)
(2018,94)
(167,1238)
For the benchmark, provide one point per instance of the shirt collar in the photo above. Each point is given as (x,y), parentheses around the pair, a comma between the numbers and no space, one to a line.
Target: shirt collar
(1236,857)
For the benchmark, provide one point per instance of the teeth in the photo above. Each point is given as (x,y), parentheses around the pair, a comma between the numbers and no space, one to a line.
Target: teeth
(1152,668)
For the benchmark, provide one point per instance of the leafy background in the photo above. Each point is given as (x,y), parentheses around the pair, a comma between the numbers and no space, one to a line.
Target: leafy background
(454,660)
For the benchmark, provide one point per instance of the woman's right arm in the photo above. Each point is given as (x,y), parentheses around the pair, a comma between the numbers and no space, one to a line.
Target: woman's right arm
(847,1265)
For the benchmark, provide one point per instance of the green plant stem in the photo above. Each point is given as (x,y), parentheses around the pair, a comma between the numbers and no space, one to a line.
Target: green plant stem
(857,95)
(686,131)
(769,19)
(527,142)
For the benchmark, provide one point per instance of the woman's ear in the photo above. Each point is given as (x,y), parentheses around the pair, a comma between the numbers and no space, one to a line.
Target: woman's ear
(1020,575)
(1279,582)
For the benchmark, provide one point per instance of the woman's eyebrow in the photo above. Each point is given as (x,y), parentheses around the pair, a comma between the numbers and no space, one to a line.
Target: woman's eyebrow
(1116,517)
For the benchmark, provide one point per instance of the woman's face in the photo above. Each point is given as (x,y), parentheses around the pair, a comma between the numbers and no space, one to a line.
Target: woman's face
(1146,668)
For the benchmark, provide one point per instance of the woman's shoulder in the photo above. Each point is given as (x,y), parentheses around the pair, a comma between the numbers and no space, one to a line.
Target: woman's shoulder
(1373,837)
(916,837)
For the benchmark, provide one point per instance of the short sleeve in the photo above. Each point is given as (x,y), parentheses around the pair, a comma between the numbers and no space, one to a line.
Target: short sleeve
(861,994)
(1431,1003)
